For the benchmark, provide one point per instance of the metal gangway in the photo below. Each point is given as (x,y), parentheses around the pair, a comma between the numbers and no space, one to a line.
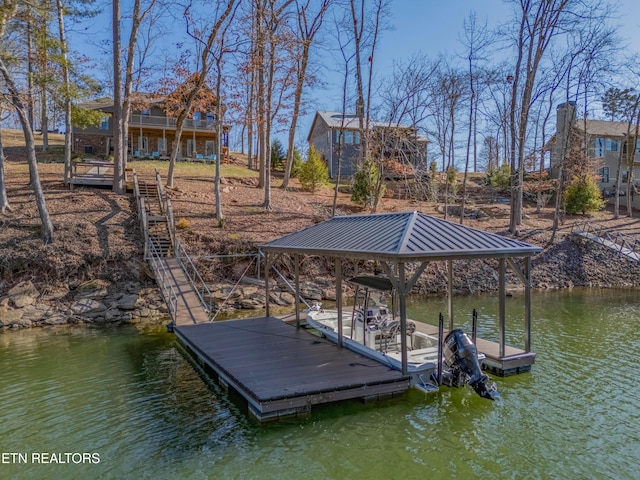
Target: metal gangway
(624,244)
(186,294)
(179,291)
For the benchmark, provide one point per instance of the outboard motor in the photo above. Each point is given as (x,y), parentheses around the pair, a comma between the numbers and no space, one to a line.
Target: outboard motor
(461,361)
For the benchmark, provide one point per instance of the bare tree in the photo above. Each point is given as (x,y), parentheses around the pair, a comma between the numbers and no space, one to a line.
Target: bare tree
(476,40)
(308,27)
(539,22)
(199,79)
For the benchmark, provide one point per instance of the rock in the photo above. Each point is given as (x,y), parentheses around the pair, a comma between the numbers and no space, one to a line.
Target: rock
(127,302)
(7,317)
(23,294)
(96,289)
(87,306)
(250,304)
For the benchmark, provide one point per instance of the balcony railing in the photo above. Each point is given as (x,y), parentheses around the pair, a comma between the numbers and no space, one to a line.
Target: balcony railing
(165,122)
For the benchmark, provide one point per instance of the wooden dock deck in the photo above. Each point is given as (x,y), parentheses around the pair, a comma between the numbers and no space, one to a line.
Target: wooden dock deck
(282,370)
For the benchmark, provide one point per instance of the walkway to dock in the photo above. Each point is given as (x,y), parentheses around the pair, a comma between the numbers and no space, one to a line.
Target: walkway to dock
(282,370)
(626,245)
(176,282)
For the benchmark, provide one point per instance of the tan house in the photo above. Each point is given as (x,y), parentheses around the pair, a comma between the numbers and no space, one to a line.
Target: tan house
(151,132)
(606,141)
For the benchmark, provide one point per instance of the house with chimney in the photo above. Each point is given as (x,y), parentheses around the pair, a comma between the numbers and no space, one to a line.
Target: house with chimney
(607,141)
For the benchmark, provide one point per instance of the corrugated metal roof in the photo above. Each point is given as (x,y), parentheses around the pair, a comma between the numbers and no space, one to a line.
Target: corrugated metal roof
(399,235)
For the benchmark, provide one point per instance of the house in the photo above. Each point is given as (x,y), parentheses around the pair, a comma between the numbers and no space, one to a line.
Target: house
(337,137)
(151,131)
(606,141)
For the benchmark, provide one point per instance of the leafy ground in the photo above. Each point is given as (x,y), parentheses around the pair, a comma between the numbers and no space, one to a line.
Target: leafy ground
(97,232)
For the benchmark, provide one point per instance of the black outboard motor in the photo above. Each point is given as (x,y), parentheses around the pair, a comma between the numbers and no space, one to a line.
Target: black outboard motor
(461,361)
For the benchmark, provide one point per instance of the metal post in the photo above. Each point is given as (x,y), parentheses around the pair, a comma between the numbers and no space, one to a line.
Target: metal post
(440,340)
(502,300)
(339,299)
(450,293)
(474,325)
(403,317)
(296,259)
(266,283)
(527,305)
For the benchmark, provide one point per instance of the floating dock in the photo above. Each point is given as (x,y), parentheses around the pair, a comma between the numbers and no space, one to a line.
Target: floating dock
(282,370)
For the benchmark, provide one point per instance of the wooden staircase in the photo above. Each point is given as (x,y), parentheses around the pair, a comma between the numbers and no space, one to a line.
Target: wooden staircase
(156,216)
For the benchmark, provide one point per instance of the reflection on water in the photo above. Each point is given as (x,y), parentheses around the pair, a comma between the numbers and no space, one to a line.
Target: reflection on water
(135,400)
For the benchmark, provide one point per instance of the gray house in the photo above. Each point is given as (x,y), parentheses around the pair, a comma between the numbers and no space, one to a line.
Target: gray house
(337,137)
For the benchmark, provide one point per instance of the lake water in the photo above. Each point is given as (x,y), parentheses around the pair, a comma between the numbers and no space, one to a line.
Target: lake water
(132,403)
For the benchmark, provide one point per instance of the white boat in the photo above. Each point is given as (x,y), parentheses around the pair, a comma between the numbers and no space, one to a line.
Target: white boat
(372,330)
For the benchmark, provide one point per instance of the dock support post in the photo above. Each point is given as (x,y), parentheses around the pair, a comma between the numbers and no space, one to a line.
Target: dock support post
(474,326)
(403,317)
(267,267)
(440,342)
(338,261)
(450,293)
(296,260)
(527,305)
(502,300)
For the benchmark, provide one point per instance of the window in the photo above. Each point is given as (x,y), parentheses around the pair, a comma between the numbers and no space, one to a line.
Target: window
(604,173)
(162,144)
(104,125)
(191,147)
(196,115)
(599,147)
(638,146)
(612,145)
(146,112)
(211,118)
(349,137)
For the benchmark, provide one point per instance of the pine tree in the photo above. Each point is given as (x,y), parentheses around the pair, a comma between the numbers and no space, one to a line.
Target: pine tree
(313,172)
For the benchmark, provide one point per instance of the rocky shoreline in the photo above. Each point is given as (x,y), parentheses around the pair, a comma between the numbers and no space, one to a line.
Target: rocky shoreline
(566,264)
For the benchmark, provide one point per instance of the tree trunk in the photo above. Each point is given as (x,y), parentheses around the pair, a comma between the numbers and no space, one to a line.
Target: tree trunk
(219,131)
(47,226)
(119,142)
(67,94)
(4,200)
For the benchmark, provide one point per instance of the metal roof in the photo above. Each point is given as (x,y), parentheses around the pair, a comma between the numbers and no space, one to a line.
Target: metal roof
(406,236)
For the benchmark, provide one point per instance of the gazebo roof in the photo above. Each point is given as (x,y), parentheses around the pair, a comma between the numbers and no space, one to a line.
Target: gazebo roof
(398,236)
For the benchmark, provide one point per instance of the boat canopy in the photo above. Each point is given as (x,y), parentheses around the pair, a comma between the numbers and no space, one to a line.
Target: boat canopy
(377,283)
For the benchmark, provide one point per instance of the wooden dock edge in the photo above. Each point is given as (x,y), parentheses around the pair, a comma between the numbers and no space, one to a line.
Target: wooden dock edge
(511,365)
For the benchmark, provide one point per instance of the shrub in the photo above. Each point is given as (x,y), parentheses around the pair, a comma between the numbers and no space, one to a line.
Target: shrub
(297,162)
(500,178)
(583,195)
(365,182)
(313,172)
(277,155)
(452,179)
(182,224)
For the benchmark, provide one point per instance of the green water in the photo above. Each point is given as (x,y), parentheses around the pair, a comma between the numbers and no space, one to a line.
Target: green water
(132,400)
